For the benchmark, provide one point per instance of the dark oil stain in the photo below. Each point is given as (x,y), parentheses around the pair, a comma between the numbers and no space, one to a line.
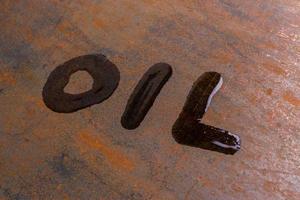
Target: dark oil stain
(235,43)
(189,131)
(133,196)
(234,10)
(144,95)
(156,32)
(60,166)
(10,195)
(65,165)
(109,52)
(17,53)
(106,79)
(52,17)
(163,25)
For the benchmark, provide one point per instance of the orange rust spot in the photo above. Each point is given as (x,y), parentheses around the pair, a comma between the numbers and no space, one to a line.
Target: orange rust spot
(7,78)
(40,43)
(274,68)
(268,45)
(62,44)
(270,186)
(63,26)
(205,181)
(66,28)
(66,197)
(113,156)
(224,57)
(98,23)
(270,116)
(237,188)
(36,100)
(253,99)
(290,97)
(269,91)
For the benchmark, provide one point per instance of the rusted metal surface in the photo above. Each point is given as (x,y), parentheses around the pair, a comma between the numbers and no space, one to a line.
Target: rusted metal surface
(255,45)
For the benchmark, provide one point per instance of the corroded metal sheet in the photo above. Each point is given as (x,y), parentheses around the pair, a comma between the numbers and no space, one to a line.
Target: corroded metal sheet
(88,155)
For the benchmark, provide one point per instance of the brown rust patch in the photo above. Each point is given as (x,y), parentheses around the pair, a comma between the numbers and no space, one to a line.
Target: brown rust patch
(269,91)
(223,57)
(8,78)
(236,188)
(206,182)
(98,23)
(115,157)
(35,100)
(274,69)
(270,116)
(290,97)
(270,186)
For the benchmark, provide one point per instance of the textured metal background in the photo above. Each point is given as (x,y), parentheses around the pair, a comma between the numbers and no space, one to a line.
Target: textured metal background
(255,44)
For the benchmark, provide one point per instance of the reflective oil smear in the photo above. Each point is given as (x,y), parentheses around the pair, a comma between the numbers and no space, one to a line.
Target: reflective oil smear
(106,78)
(187,130)
(144,95)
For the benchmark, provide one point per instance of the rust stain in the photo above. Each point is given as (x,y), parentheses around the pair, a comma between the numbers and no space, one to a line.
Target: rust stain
(115,157)
(253,98)
(223,57)
(269,91)
(269,45)
(98,23)
(40,43)
(206,182)
(270,116)
(236,188)
(36,100)
(8,78)
(63,26)
(290,97)
(66,28)
(270,186)
(274,69)
(211,33)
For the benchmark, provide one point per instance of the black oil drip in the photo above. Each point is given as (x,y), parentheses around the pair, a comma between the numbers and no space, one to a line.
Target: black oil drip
(188,129)
(144,95)
(106,79)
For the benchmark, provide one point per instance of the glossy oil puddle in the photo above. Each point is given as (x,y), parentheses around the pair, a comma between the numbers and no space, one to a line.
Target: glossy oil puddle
(187,130)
